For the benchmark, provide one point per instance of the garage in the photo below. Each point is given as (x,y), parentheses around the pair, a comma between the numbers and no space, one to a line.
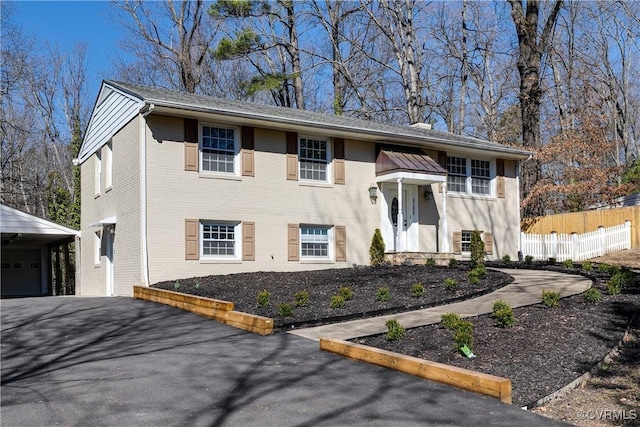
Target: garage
(36,255)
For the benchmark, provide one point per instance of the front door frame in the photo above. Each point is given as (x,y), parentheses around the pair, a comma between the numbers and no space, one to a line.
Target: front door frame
(403,237)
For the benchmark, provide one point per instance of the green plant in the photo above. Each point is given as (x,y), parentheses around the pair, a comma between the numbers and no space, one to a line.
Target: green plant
(430,262)
(567,263)
(376,250)
(592,296)
(528,259)
(477,249)
(481,271)
(383,294)
(614,287)
(624,277)
(301,299)
(285,310)
(417,289)
(346,293)
(176,285)
(453,263)
(463,334)
(264,298)
(503,313)
(449,320)
(506,259)
(587,266)
(337,301)
(551,261)
(197,285)
(473,277)
(608,268)
(395,330)
(450,284)
(550,298)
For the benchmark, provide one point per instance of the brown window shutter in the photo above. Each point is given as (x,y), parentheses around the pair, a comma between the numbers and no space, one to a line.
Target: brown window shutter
(341,243)
(293,242)
(292,156)
(457,242)
(442,161)
(248,241)
(192,239)
(247,151)
(500,181)
(338,161)
(488,243)
(190,145)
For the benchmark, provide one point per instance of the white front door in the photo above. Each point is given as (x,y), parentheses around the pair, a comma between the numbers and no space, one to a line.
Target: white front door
(109,235)
(399,237)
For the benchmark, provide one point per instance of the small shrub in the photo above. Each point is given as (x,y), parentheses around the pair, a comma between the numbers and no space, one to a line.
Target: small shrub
(587,266)
(264,298)
(567,263)
(608,268)
(592,296)
(528,259)
(614,286)
(503,313)
(481,271)
(453,262)
(430,262)
(383,295)
(417,289)
(449,320)
(450,284)
(346,293)
(624,277)
(376,250)
(285,310)
(301,299)
(551,261)
(477,249)
(506,259)
(463,334)
(395,330)
(176,285)
(337,301)
(473,277)
(550,298)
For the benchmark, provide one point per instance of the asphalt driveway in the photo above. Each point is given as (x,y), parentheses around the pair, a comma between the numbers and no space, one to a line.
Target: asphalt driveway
(121,362)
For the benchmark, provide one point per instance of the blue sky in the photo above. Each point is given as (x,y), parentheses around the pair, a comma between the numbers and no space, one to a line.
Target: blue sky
(66,23)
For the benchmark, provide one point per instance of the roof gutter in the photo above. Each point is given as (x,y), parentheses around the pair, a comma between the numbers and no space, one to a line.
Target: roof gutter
(144,112)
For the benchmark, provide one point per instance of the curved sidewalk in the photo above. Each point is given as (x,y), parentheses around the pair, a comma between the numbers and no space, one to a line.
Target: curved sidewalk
(526,289)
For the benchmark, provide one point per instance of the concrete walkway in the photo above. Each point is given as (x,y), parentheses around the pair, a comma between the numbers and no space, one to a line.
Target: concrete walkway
(526,289)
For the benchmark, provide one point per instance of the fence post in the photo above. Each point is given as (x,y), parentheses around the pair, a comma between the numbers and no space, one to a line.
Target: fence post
(627,227)
(602,247)
(574,247)
(554,245)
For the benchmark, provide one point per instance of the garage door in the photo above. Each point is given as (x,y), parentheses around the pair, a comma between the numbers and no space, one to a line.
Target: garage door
(21,272)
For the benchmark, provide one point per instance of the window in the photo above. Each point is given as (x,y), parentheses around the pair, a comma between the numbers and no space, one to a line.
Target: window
(97,248)
(108,166)
(471,176)
(219,240)
(219,149)
(314,242)
(98,172)
(314,159)
(466,241)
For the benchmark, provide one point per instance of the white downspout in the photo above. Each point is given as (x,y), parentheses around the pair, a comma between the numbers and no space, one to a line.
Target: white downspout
(143,193)
(401,233)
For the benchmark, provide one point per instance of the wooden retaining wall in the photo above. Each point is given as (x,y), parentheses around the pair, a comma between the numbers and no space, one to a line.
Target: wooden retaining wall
(219,310)
(478,382)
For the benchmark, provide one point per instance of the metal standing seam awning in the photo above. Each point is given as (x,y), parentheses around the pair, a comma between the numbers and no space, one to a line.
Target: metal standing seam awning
(411,168)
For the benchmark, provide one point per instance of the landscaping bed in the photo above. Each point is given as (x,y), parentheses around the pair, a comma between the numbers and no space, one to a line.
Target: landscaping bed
(243,289)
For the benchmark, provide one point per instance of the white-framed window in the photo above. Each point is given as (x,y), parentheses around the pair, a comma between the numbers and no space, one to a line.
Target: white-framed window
(97,248)
(314,159)
(98,171)
(471,176)
(219,239)
(219,149)
(316,242)
(108,166)
(466,240)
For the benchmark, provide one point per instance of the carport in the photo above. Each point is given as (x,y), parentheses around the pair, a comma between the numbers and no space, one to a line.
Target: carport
(36,257)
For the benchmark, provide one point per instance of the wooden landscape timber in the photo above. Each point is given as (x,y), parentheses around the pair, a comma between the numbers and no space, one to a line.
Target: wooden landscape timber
(221,311)
(478,382)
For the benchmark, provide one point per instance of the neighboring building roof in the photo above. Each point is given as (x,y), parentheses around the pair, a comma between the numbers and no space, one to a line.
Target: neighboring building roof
(112,111)
(17,222)
(391,161)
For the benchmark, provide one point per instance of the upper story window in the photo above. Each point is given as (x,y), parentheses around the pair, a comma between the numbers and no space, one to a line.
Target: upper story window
(98,172)
(315,241)
(314,159)
(219,240)
(108,166)
(470,176)
(219,149)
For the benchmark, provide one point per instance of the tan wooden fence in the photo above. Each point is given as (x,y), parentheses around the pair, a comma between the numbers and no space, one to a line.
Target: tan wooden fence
(584,222)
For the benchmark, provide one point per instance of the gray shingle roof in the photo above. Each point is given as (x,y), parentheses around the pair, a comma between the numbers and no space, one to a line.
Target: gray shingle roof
(382,131)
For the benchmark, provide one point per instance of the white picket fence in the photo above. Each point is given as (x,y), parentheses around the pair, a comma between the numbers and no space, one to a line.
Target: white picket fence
(577,247)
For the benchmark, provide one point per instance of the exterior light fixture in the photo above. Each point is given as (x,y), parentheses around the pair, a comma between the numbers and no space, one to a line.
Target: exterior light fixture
(373,192)
(428,193)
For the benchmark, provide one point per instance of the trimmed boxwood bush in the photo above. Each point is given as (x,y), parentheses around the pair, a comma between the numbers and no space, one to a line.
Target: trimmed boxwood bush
(301,299)
(395,330)
(592,296)
(450,284)
(550,298)
(337,301)
(383,295)
(263,299)
(449,320)
(503,313)
(417,289)
(463,334)
(285,309)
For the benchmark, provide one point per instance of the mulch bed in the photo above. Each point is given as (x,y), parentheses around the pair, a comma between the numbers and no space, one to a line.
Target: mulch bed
(544,351)
(243,289)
